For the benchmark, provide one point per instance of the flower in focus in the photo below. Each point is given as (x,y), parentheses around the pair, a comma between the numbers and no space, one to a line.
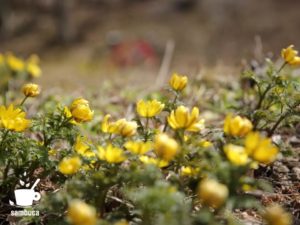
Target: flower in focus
(149,108)
(165,147)
(13,119)
(237,155)
(138,147)
(81,111)
(276,215)
(80,213)
(15,64)
(31,90)
(33,67)
(212,193)
(82,147)
(181,118)
(290,55)
(121,126)
(237,126)
(260,148)
(150,160)
(177,82)
(111,154)
(70,165)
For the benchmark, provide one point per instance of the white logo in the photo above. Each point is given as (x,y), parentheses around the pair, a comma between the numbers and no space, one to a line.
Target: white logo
(25,197)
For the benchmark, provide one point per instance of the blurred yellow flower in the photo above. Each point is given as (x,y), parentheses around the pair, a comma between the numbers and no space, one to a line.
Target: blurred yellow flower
(121,126)
(70,165)
(188,171)
(290,55)
(181,118)
(138,147)
(68,114)
(165,147)
(15,64)
(81,111)
(237,155)
(111,154)
(80,213)
(212,193)
(31,90)
(121,222)
(33,67)
(178,82)
(149,108)
(237,126)
(52,152)
(205,144)
(276,215)
(260,148)
(82,147)
(150,160)
(13,119)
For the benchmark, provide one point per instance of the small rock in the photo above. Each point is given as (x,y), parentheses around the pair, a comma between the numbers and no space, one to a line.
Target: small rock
(296,173)
(280,168)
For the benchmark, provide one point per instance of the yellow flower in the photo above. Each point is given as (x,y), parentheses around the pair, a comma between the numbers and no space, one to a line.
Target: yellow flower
(13,119)
(178,82)
(68,114)
(237,155)
(15,64)
(188,171)
(111,154)
(165,147)
(150,160)
(81,111)
(33,67)
(121,222)
(237,126)
(212,193)
(205,144)
(121,127)
(260,149)
(80,213)
(52,152)
(31,90)
(181,118)
(82,147)
(138,147)
(276,215)
(290,55)
(149,108)
(70,165)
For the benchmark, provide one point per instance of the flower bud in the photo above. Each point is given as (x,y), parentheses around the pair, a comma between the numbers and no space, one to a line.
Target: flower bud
(212,193)
(165,147)
(31,90)
(177,82)
(80,213)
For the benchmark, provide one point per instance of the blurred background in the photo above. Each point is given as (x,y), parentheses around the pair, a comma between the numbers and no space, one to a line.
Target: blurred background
(86,43)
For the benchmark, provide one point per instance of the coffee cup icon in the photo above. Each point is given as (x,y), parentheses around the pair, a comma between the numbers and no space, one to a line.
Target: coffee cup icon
(25,197)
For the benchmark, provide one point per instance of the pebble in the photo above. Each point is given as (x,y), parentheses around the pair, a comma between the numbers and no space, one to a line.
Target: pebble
(296,173)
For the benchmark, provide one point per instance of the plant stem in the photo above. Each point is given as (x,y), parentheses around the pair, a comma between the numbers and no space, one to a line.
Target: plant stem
(23,101)
(272,130)
(4,137)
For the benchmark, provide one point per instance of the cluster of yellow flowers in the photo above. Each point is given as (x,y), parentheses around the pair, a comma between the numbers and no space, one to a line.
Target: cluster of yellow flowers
(256,146)
(17,65)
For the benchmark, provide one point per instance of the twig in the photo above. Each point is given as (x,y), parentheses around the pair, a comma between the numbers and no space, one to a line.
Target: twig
(165,65)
